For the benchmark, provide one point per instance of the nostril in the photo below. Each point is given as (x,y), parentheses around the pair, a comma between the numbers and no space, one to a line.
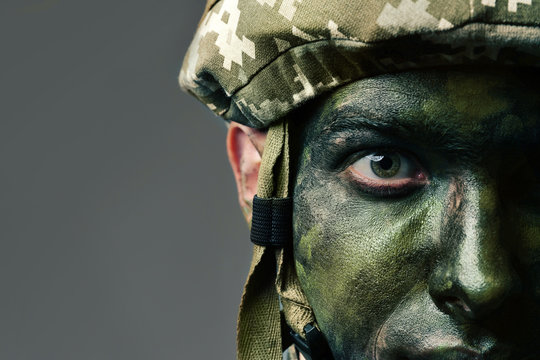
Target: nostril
(456,303)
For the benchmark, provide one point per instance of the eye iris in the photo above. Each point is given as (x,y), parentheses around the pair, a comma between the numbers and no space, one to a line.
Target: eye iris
(385,166)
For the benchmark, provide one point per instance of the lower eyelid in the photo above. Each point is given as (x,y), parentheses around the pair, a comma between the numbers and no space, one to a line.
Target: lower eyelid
(384,188)
(381,183)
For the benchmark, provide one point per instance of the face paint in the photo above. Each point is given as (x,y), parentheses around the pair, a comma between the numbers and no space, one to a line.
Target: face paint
(417,217)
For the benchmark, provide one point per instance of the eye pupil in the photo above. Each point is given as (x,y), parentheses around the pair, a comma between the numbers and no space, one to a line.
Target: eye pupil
(386,163)
(385,166)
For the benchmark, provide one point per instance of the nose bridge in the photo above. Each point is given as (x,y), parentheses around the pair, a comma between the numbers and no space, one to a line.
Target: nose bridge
(479,251)
(474,271)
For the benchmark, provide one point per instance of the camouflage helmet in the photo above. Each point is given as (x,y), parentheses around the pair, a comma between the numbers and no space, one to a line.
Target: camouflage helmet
(255,61)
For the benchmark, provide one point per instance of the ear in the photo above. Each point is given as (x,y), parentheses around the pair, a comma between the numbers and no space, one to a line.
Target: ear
(244,147)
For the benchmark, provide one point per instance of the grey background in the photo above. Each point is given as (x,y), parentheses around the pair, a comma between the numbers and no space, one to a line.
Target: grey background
(120,236)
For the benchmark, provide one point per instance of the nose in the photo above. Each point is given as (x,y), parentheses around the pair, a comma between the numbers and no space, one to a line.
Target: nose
(473,275)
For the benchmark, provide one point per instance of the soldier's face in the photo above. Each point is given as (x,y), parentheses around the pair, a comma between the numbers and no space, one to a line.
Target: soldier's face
(417,217)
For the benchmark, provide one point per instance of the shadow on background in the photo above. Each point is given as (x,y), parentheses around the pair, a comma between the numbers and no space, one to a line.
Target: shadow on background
(120,234)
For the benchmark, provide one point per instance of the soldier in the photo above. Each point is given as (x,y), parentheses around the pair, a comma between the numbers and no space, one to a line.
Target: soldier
(386,156)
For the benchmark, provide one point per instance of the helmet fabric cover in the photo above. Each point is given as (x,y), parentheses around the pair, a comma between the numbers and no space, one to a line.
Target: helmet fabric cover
(253,61)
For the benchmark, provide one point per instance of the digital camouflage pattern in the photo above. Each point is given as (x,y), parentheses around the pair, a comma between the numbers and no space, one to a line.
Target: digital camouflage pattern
(253,61)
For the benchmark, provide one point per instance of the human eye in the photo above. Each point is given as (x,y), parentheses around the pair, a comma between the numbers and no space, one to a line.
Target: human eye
(387,173)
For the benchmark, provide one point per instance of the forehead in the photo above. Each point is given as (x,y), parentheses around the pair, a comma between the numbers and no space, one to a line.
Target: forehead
(440,106)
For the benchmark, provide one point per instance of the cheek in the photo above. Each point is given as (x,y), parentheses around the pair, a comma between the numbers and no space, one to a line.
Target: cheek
(527,250)
(356,258)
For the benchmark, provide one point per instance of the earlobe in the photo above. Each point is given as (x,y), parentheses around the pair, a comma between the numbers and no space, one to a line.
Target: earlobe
(244,148)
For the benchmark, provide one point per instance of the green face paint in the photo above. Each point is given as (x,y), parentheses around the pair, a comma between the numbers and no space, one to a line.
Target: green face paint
(417,217)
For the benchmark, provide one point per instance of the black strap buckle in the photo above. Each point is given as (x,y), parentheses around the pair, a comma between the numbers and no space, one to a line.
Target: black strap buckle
(271,224)
(314,347)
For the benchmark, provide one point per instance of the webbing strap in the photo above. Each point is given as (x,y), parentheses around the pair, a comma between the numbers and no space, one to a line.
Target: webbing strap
(259,321)
(272,221)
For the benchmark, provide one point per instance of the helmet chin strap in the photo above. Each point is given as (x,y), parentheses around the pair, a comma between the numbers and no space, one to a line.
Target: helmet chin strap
(272,281)
(313,346)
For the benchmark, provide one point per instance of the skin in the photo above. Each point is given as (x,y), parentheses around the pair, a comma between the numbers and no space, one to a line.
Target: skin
(441,261)
(444,261)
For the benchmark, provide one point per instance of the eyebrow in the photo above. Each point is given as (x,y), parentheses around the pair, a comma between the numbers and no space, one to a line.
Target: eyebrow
(340,123)
(434,135)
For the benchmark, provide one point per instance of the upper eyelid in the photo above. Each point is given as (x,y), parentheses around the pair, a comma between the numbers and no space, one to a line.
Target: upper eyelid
(355,156)
(364,139)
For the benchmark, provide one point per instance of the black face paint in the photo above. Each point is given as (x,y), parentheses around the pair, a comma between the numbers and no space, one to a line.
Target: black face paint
(417,217)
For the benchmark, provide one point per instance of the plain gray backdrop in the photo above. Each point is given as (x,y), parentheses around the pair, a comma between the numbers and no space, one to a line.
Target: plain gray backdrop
(120,235)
